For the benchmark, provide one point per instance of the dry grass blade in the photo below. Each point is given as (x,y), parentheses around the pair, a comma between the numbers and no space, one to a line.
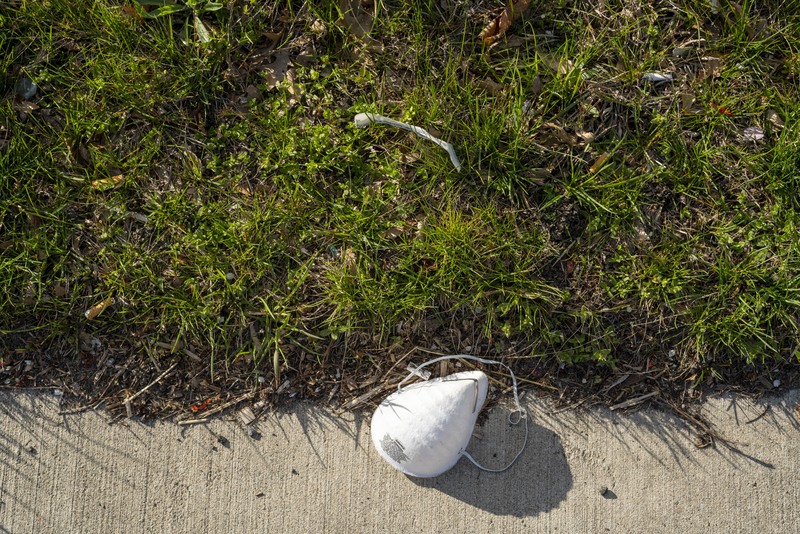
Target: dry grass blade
(634,401)
(112,182)
(367,396)
(499,26)
(276,364)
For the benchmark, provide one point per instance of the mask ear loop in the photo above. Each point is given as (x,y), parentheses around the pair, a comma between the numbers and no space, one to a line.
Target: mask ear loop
(520,413)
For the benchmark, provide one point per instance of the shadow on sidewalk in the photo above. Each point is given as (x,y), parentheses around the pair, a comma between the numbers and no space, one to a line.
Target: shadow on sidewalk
(538,482)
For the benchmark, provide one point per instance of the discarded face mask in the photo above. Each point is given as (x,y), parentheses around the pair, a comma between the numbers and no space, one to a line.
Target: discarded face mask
(423,429)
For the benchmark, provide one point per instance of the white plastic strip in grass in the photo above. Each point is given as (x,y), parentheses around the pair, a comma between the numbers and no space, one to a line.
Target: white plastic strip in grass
(362,120)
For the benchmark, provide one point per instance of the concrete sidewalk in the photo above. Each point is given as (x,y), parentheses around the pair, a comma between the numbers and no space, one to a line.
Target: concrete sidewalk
(312,471)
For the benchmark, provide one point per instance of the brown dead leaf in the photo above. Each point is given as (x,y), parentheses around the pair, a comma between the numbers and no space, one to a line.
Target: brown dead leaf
(775,119)
(560,133)
(515,41)
(711,67)
(293,88)
(29,296)
(24,107)
(500,25)
(112,182)
(490,86)
(411,157)
(536,86)
(393,233)
(252,93)
(350,261)
(275,72)
(98,308)
(307,60)
(274,39)
(81,154)
(131,12)
(356,17)
(59,290)
(586,137)
(558,64)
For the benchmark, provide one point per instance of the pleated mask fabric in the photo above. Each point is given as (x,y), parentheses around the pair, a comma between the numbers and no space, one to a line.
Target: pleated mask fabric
(423,429)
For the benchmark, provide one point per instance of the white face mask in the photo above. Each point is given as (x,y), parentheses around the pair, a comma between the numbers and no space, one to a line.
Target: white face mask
(423,429)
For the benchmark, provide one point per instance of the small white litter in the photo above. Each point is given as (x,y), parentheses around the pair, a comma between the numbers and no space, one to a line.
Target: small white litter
(753,134)
(362,120)
(657,77)
(423,429)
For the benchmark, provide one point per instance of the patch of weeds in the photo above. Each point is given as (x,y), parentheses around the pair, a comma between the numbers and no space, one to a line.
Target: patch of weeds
(629,188)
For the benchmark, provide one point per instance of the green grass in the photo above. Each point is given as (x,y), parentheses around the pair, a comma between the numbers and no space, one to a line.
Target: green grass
(237,220)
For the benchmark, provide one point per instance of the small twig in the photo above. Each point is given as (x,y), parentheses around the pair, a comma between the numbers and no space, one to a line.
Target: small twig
(403,357)
(256,341)
(230,403)
(565,408)
(110,383)
(527,381)
(699,424)
(631,402)
(565,252)
(148,386)
(617,382)
(193,421)
(367,396)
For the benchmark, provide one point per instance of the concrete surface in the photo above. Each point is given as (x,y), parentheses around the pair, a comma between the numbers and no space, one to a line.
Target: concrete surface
(312,471)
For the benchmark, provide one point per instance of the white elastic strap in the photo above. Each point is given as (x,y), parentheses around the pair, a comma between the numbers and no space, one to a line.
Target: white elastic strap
(522,414)
(365,119)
